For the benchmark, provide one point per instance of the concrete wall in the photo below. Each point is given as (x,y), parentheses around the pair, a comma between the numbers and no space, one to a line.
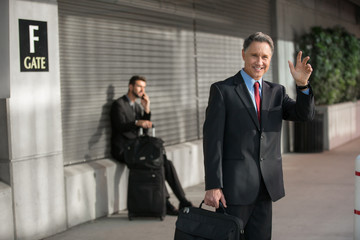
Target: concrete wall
(99,188)
(188,160)
(94,190)
(341,123)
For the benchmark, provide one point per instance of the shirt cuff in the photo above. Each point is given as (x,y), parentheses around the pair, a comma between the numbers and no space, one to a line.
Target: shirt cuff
(306,91)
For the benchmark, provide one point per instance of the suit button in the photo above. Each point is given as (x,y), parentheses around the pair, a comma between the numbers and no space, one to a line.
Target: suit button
(262,159)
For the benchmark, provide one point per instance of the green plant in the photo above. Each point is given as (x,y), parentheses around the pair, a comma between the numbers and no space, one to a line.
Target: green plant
(335,57)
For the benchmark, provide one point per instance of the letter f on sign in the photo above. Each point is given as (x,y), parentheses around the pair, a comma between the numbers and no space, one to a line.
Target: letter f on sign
(33,38)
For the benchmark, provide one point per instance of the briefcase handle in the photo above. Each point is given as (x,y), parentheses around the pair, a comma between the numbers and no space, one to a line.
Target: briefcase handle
(220,204)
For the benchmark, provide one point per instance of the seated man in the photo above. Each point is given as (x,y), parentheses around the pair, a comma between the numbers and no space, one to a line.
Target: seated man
(127,117)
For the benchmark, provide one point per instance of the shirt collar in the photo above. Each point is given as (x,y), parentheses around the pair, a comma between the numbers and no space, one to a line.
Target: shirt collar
(249,81)
(130,102)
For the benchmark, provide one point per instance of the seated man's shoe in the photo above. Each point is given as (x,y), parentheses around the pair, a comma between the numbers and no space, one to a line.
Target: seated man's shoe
(184,204)
(171,210)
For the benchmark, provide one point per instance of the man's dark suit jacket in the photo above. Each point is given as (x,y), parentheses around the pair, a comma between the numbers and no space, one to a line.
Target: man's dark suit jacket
(123,127)
(237,149)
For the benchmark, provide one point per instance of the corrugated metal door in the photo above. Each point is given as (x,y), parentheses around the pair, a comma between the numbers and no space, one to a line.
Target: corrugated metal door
(101,46)
(221,27)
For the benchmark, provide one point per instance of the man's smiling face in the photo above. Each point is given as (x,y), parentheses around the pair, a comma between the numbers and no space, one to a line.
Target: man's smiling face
(257,59)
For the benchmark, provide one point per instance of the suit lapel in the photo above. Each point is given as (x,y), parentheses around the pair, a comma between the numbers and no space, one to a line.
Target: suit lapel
(266,94)
(266,100)
(244,95)
(130,113)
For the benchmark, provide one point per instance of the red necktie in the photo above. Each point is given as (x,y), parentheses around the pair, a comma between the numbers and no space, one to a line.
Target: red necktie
(257,98)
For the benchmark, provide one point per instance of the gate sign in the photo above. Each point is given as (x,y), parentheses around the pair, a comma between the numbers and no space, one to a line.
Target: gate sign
(33,46)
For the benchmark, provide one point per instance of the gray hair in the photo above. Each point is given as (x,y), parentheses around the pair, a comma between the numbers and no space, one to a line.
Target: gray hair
(259,37)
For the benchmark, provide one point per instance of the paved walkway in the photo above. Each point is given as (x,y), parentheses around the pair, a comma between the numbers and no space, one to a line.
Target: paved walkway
(319,204)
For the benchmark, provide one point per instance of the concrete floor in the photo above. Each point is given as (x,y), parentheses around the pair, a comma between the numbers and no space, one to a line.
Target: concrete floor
(319,204)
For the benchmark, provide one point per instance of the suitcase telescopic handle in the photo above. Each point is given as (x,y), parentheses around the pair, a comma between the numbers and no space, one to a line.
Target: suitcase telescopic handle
(141,131)
(153,130)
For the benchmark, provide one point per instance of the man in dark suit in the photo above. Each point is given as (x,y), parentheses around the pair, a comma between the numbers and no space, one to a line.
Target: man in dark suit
(127,117)
(242,136)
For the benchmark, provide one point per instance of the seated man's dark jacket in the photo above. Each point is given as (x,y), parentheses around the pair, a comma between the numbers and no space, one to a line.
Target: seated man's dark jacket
(123,117)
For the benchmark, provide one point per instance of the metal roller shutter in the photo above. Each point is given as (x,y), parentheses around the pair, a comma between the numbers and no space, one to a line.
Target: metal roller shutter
(101,46)
(221,27)
(181,47)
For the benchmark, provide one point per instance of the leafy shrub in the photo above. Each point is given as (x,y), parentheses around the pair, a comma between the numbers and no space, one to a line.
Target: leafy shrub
(335,57)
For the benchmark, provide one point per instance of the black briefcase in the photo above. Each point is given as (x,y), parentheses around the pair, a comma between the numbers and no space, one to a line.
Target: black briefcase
(200,224)
(145,152)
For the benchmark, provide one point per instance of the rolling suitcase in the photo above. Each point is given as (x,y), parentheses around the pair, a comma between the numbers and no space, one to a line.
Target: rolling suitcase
(146,193)
(146,186)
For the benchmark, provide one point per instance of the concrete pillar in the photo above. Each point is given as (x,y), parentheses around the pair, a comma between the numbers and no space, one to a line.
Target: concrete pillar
(33,116)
